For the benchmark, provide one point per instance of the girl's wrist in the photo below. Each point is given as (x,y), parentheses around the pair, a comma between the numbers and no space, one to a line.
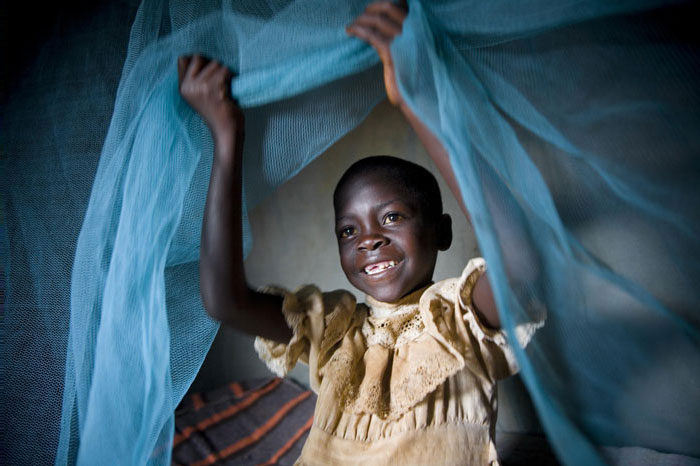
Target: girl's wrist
(228,146)
(228,134)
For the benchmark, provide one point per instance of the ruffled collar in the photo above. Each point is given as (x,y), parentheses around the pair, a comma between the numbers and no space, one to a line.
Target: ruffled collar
(381,309)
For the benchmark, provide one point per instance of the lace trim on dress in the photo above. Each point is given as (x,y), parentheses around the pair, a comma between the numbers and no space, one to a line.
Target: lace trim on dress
(395,331)
(367,392)
(383,381)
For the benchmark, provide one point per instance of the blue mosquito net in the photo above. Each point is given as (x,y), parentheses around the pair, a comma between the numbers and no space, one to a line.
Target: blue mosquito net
(573,129)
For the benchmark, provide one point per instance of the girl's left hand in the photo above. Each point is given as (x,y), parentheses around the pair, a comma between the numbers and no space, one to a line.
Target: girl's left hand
(205,85)
(380,23)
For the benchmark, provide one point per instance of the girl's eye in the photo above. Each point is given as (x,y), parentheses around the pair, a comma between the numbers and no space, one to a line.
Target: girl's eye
(392,217)
(346,232)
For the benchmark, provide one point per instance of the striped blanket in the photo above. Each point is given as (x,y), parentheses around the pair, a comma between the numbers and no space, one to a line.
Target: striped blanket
(262,422)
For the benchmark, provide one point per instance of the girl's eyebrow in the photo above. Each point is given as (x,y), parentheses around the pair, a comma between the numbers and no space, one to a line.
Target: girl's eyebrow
(384,204)
(378,207)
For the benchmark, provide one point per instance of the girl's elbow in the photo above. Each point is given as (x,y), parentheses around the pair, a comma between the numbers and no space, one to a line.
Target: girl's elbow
(211,304)
(224,306)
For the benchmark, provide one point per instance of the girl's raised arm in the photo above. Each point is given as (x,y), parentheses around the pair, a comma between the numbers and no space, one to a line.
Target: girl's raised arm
(379,25)
(205,86)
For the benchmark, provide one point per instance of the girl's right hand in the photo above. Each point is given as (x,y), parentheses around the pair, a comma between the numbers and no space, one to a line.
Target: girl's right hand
(378,25)
(206,86)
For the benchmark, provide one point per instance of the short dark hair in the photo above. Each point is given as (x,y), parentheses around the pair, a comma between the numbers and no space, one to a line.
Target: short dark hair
(417,181)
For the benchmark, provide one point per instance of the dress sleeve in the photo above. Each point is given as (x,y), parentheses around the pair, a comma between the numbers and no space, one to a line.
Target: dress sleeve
(318,321)
(495,350)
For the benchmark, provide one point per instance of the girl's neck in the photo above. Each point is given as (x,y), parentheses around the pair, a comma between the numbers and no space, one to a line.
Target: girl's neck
(410,298)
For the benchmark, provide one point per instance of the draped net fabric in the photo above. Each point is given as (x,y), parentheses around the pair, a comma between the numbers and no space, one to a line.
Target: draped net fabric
(573,131)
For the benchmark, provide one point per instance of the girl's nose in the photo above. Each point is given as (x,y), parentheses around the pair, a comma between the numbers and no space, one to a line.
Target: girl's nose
(372,242)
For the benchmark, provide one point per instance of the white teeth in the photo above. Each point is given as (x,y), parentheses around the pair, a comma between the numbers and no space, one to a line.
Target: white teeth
(379,267)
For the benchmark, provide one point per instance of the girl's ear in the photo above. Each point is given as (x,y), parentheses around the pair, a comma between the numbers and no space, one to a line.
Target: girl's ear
(444,232)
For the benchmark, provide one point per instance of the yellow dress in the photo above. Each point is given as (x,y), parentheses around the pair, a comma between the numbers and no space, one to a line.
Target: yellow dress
(405,383)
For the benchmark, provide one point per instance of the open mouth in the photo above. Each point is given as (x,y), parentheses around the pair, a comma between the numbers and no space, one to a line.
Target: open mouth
(379,267)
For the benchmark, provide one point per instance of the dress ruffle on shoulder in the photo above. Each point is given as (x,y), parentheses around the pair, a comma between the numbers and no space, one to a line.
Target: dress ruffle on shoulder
(523,332)
(386,358)
(318,321)
(451,316)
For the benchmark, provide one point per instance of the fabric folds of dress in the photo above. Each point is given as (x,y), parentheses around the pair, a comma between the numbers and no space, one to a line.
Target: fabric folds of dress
(382,360)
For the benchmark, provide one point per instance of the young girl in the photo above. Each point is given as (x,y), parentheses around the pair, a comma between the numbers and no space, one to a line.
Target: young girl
(407,378)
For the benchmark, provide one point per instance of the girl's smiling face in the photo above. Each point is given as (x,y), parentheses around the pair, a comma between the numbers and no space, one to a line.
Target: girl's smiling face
(388,246)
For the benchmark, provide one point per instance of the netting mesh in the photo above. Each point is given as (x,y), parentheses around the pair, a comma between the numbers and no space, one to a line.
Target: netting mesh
(573,131)
(577,145)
